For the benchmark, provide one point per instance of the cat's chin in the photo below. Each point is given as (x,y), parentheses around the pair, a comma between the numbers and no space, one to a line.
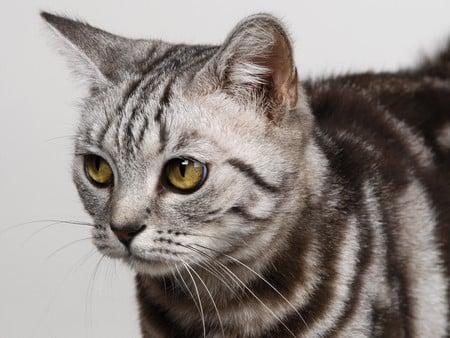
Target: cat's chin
(153,267)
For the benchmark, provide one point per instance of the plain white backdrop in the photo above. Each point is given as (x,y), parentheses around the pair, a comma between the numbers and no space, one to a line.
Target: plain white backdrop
(52,281)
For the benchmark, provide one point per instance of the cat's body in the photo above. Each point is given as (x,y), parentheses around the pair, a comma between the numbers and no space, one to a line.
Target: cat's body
(321,210)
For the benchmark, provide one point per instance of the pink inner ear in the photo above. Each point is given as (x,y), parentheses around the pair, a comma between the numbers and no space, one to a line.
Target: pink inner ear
(284,73)
(255,64)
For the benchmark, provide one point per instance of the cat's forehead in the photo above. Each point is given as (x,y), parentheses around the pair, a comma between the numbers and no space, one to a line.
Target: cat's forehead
(157,126)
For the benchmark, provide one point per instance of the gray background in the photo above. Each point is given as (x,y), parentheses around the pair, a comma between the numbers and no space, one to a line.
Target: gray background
(52,281)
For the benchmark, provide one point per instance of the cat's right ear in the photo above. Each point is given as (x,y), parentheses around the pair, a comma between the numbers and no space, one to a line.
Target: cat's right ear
(256,64)
(94,54)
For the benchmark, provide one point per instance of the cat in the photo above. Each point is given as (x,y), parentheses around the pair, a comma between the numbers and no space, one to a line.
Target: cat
(251,202)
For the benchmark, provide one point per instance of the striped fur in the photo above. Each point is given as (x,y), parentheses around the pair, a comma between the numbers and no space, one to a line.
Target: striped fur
(325,210)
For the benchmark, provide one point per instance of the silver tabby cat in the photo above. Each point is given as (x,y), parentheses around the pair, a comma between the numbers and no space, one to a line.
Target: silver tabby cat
(254,205)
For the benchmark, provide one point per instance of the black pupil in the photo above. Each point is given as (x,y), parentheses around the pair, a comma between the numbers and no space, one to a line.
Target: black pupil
(97,163)
(183,165)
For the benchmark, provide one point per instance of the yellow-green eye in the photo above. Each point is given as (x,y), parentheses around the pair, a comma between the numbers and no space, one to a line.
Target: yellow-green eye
(98,170)
(184,175)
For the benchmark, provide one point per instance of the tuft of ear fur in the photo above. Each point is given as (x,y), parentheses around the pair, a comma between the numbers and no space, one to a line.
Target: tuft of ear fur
(100,57)
(256,61)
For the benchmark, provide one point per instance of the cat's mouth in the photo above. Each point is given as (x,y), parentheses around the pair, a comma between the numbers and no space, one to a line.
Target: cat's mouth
(154,262)
(139,257)
(159,252)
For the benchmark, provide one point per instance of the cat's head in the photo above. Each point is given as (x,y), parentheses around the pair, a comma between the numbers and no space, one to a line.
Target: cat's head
(187,153)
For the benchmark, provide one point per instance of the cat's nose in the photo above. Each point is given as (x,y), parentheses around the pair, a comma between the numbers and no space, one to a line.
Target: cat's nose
(126,233)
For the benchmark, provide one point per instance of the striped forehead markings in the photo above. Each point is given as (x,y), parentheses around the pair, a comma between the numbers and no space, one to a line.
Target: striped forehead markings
(139,89)
(174,62)
(171,61)
(101,135)
(131,90)
(164,101)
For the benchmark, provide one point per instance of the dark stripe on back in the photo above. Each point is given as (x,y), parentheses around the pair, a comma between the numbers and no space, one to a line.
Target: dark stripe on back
(250,172)
(290,265)
(364,257)
(340,110)
(397,276)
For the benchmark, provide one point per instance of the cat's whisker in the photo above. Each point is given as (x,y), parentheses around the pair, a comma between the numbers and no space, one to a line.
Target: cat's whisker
(40,230)
(237,279)
(186,287)
(198,297)
(211,268)
(210,296)
(47,227)
(165,285)
(90,290)
(70,137)
(268,309)
(229,239)
(81,261)
(214,271)
(197,305)
(175,278)
(343,180)
(260,277)
(57,290)
(67,245)
(53,221)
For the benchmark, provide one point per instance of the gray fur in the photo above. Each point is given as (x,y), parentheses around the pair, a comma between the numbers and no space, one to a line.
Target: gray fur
(276,242)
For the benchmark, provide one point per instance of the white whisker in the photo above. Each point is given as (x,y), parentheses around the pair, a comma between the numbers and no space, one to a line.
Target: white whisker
(252,293)
(90,292)
(53,221)
(211,297)
(264,280)
(211,268)
(188,289)
(68,245)
(199,299)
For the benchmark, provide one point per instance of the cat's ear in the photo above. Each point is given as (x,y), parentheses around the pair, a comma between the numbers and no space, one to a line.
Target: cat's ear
(257,61)
(94,54)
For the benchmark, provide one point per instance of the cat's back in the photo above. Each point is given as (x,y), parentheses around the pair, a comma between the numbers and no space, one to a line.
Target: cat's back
(391,131)
(415,103)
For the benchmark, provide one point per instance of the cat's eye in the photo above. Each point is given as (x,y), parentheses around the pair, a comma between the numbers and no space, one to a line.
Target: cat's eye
(184,175)
(98,171)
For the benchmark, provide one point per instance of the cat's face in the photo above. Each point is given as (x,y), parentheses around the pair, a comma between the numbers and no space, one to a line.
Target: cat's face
(146,187)
(191,160)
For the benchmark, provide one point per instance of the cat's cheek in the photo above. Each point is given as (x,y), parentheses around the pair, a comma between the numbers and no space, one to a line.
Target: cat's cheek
(107,247)
(95,200)
(96,205)
(262,205)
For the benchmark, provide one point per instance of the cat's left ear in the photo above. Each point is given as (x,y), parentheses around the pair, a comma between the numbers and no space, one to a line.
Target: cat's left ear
(256,62)
(98,56)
